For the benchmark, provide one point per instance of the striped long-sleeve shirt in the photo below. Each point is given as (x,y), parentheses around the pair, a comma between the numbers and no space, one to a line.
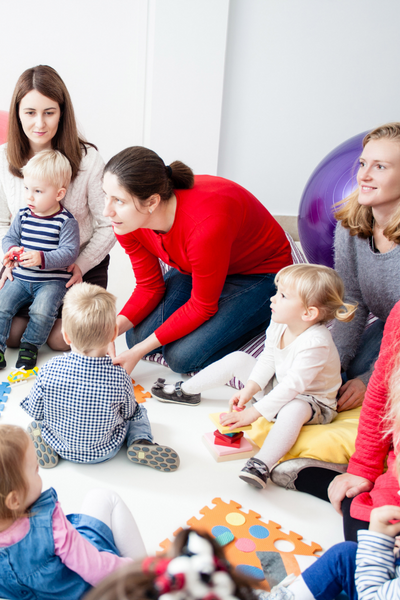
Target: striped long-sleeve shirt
(56,238)
(377,569)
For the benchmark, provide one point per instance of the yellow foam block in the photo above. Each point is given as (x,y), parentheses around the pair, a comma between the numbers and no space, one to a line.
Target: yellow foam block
(334,442)
(223,428)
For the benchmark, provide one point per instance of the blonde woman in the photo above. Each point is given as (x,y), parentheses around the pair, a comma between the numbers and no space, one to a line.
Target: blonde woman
(367,257)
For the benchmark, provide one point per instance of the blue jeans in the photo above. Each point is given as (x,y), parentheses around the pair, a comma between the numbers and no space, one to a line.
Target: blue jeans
(367,352)
(243,312)
(46,298)
(333,573)
(137,430)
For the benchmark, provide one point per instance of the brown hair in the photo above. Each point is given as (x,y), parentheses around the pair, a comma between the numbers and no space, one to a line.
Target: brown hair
(131,583)
(318,286)
(358,218)
(89,316)
(13,446)
(47,82)
(142,173)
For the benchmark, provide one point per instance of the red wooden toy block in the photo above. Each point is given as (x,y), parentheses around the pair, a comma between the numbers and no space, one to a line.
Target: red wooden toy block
(225,440)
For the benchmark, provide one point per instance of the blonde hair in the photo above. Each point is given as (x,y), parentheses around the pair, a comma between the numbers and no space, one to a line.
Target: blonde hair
(89,316)
(318,286)
(50,166)
(14,443)
(358,218)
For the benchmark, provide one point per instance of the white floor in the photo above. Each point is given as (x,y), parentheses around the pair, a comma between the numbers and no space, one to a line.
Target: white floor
(162,502)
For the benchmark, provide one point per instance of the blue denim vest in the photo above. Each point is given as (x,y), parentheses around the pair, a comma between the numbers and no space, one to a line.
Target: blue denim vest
(29,569)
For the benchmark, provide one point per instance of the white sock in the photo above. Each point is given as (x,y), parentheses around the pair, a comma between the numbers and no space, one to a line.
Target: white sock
(300,589)
(285,431)
(108,507)
(236,364)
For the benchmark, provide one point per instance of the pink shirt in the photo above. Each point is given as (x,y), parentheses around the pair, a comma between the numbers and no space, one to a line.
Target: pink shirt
(73,550)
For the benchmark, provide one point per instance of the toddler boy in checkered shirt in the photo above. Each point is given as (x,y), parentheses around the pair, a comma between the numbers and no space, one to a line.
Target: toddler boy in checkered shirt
(83,405)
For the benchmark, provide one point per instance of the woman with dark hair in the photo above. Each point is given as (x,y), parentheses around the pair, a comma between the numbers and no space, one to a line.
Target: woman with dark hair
(224,248)
(41,117)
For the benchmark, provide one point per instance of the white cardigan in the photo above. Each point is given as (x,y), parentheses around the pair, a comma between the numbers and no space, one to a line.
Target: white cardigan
(84,199)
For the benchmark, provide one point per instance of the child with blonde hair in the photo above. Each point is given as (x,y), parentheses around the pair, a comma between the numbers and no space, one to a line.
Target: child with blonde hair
(299,351)
(46,236)
(84,406)
(43,553)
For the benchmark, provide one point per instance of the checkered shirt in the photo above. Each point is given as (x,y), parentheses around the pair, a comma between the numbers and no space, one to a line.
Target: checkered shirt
(84,403)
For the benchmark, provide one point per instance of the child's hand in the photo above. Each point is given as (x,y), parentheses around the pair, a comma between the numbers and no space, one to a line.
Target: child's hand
(9,256)
(240,419)
(239,399)
(31,258)
(381,518)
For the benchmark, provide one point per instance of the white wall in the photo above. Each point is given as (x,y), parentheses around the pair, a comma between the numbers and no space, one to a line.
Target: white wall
(255,90)
(302,77)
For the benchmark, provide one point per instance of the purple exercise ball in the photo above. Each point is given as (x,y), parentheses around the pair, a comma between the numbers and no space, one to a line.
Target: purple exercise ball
(332,180)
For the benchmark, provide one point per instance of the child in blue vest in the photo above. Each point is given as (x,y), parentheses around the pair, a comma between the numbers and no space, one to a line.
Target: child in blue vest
(83,405)
(43,554)
(47,235)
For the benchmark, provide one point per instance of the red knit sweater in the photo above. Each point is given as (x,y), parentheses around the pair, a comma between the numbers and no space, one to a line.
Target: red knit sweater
(372,446)
(219,229)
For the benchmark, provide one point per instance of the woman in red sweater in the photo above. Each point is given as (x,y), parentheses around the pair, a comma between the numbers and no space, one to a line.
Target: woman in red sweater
(225,249)
(365,486)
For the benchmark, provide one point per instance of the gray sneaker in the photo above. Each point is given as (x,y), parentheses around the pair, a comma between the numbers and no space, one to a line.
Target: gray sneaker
(256,473)
(47,457)
(174,393)
(150,454)
(286,472)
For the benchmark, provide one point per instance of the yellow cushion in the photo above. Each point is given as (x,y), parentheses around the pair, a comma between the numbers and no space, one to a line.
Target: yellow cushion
(333,443)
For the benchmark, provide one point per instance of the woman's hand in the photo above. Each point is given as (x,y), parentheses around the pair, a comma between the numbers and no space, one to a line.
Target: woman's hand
(7,274)
(347,486)
(381,518)
(351,394)
(240,419)
(76,275)
(128,359)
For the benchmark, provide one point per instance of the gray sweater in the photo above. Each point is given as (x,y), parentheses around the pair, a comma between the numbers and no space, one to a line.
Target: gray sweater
(372,280)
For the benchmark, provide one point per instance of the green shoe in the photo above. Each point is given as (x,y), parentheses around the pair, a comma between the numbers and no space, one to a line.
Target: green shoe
(3,362)
(27,356)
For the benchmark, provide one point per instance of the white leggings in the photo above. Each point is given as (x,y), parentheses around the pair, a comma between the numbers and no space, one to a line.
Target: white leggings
(289,420)
(108,507)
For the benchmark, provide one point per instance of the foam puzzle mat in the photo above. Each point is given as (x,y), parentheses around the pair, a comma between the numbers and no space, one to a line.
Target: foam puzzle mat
(254,548)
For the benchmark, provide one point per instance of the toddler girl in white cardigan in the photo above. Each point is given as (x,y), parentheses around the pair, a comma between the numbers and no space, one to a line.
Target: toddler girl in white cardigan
(299,352)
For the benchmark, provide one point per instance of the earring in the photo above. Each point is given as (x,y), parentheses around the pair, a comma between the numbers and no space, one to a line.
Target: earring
(150,210)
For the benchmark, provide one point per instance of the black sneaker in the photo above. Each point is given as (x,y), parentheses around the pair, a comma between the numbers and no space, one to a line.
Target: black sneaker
(3,362)
(27,356)
(174,393)
(150,454)
(256,473)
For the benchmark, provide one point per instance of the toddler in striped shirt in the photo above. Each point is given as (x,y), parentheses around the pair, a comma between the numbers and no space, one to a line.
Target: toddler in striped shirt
(47,237)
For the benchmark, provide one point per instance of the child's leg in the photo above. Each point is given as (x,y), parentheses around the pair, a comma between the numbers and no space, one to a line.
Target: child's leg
(237,364)
(285,431)
(13,295)
(143,450)
(108,507)
(329,575)
(43,311)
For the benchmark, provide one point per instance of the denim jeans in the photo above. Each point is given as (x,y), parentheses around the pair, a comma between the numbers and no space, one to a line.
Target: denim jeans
(137,430)
(46,298)
(367,352)
(333,573)
(243,312)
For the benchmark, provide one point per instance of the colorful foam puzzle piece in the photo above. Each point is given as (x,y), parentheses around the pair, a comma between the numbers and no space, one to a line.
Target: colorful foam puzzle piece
(138,391)
(5,389)
(252,550)
(223,428)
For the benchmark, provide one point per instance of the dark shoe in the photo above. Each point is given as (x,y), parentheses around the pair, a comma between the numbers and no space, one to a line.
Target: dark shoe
(176,396)
(47,457)
(161,458)
(256,473)
(3,362)
(27,356)
(286,472)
